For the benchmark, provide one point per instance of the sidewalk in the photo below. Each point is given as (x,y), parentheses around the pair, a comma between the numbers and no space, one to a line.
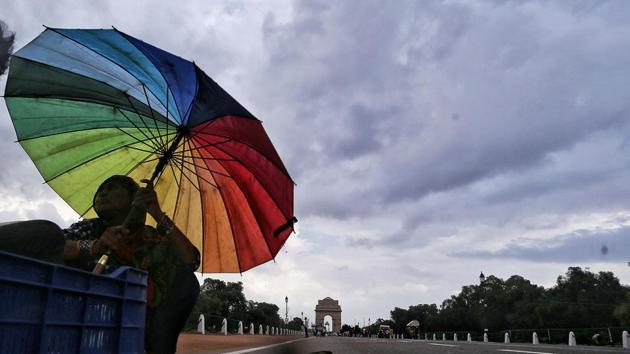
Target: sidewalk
(192,343)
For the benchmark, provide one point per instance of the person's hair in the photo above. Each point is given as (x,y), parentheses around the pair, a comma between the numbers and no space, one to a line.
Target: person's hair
(125,181)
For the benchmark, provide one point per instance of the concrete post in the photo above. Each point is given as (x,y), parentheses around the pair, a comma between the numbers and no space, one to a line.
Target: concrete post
(201,324)
(267,330)
(433,336)
(260,330)
(625,340)
(535,338)
(572,342)
(506,338)
(455,337)
(443,336)
(240,327)
(251,328)
(469,338)
(485,337)
(224,327)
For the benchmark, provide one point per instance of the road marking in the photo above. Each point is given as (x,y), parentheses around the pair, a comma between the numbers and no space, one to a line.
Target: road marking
(265,347)
(522,351)
(443,345)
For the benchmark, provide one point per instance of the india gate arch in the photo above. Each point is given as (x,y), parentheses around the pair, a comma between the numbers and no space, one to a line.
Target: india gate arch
(328,306)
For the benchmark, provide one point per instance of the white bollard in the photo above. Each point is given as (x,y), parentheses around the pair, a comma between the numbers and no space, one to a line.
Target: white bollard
(506,338)
(572,342)
(485,337)
(469,338)
(224,327)
(240,327)
(625,339)
(455,337)
(267,330)
(443,336)
(260,330)
(251,328)
(535,338)
(433,336)
(201,325)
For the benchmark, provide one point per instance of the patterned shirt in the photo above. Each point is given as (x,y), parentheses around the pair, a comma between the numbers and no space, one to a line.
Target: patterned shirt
(147,250)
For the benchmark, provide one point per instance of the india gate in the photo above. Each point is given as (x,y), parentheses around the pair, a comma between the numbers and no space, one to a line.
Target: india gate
(330,307)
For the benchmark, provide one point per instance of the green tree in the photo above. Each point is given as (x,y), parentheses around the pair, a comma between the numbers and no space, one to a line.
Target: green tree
(296,323)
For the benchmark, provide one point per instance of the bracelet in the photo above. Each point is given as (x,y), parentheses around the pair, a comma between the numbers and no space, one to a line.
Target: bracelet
(85,248)
(165,226)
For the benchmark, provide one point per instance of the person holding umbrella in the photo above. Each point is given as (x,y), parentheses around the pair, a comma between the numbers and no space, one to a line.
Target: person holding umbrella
(164,252)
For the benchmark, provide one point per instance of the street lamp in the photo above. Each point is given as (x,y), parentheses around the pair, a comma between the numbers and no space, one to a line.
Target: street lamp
(286,309)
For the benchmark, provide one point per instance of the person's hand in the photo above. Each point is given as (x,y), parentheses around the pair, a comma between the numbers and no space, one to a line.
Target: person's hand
(112,239)
(146,198)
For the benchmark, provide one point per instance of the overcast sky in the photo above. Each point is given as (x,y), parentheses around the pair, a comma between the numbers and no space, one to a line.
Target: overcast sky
(429,140)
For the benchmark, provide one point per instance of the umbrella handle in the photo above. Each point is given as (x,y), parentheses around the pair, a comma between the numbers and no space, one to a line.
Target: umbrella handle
(100,265)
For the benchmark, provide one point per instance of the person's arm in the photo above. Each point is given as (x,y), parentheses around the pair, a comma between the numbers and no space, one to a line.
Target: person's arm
(147,198)
(75,235)
(81,242)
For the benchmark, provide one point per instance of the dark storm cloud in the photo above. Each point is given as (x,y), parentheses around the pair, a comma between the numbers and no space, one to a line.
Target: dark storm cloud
(480,91)
(579,246)
(6,46)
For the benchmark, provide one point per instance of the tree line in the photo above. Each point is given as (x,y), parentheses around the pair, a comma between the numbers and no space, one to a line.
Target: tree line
(579,299)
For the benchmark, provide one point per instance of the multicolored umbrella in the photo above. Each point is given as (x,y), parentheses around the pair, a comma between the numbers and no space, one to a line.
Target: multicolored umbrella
(88,104)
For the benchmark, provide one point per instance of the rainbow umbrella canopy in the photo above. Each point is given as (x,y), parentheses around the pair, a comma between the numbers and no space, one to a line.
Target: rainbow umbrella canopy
(88,104)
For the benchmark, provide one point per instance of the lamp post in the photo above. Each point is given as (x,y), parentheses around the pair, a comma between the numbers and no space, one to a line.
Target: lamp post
(286,309)
(369,329)
(482,279)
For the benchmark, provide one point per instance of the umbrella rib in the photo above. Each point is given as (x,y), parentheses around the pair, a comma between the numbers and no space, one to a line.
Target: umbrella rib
(207,169)
(155,149)
(187,142)
(191,182)
(253,148)
(167,121)
(201,201)
(124,35)
(63,132)
(206,158)
(152,115)
(94,158)
(137,128)
(203,178)
(208,145)
(186,115)
(145,124)
(261,184)
(106,58)
(175,177)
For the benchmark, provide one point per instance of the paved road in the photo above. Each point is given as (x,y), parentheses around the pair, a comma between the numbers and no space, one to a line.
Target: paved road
(341,345)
